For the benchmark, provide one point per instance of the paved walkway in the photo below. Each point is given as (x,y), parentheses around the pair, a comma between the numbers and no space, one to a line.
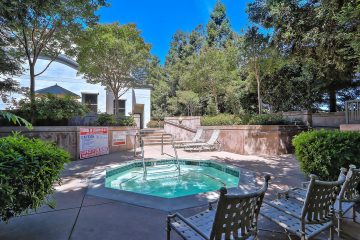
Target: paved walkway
(81,216)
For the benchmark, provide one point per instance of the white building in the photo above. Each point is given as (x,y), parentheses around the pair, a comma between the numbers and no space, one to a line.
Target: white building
(63,72)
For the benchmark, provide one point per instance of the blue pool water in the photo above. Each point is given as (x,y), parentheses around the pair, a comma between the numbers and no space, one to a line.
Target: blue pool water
(167,182)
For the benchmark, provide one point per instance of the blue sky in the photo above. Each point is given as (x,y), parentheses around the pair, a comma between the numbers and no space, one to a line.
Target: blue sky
(159,19)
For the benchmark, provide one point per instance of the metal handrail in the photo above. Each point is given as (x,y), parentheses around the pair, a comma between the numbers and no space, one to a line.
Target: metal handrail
(142,156)
(173,145)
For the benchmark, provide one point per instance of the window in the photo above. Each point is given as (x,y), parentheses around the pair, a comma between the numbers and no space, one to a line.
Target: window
(121,104)
(90,100)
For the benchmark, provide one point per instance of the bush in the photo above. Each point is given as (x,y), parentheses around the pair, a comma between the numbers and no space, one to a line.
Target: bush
(268,119)
(220,119)
(244,119)
(28,170)
(155,124)
(105,119)
(53,110)
(324,152)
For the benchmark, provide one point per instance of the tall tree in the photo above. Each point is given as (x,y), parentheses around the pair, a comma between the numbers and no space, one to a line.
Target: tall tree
(189,100)
(208,74)
(255,46)
(45,28)
(323,31)
(114,55)
(218,27)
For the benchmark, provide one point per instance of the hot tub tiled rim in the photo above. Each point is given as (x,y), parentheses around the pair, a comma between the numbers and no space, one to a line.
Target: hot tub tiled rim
(227,168)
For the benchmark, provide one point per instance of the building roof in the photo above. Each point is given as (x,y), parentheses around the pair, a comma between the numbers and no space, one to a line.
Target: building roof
(56,90)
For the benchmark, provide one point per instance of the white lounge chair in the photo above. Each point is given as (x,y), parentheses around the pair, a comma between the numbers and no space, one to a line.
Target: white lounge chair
(309,218)
(196,139)
(211,144)
(235,217)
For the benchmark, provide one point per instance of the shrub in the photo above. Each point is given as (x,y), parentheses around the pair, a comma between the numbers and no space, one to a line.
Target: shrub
(155,124)
(105,119)
(53,110)
(268,119)
(324,152)
(28,170)
(220,119)
(244,119)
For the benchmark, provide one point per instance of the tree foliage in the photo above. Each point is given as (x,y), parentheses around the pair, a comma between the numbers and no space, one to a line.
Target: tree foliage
(114,55)
(36,27)
(323,31)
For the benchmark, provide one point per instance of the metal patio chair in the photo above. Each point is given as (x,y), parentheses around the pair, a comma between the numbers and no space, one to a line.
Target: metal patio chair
(235,217)
(195,139)
(349,195)
(211,144)
(308,218)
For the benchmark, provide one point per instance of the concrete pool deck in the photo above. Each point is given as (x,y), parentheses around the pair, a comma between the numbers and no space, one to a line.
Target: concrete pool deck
(79,215)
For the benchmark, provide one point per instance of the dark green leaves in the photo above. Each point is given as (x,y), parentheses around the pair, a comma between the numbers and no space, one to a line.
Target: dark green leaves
(324,152)
(28,170)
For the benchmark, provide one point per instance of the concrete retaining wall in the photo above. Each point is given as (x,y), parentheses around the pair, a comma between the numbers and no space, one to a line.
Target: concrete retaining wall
(67,137)
(184,131)
(256,139)
(318,120)
(350,127)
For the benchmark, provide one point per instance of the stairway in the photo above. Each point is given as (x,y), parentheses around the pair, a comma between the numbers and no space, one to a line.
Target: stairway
(152,136)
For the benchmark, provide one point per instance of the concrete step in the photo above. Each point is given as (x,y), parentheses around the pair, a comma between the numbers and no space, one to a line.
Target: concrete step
(156,137)
(156,143)
(156,140)
(152,130)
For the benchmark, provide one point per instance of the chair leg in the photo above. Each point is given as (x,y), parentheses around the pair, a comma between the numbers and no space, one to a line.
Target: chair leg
(331,237)
(354,214)
(168,229)
(339,226)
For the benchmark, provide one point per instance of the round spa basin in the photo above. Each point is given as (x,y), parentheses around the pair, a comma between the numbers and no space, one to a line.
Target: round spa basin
(163,178)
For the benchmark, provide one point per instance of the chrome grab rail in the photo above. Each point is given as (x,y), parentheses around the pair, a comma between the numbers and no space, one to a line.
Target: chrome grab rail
(142,156)
(173,145)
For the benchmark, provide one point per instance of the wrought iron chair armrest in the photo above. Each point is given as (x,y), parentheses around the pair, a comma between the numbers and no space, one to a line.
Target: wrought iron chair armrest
(187,222)
(281,209)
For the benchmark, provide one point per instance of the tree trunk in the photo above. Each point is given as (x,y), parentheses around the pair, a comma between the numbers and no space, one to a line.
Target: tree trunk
(216,103)
(116,104)
(332,100)
(32,93)
(259,95)
(257,76)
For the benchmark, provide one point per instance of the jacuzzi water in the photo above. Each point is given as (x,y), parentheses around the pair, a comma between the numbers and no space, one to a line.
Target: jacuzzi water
(167,182)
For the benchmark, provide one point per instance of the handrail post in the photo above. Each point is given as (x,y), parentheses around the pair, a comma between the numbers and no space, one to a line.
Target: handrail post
(162,144)
(142,156)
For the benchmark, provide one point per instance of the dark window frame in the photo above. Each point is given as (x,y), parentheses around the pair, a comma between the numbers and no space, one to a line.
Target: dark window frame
(122,107)
(90,104)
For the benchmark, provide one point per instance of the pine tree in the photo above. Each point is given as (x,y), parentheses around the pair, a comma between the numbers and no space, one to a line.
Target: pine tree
(218,27)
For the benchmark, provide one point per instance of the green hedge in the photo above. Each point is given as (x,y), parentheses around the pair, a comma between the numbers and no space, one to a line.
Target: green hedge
(245,119)
(155,124)
(105,119)
(52,110)
(221,119)
(324,152)
(28,170)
